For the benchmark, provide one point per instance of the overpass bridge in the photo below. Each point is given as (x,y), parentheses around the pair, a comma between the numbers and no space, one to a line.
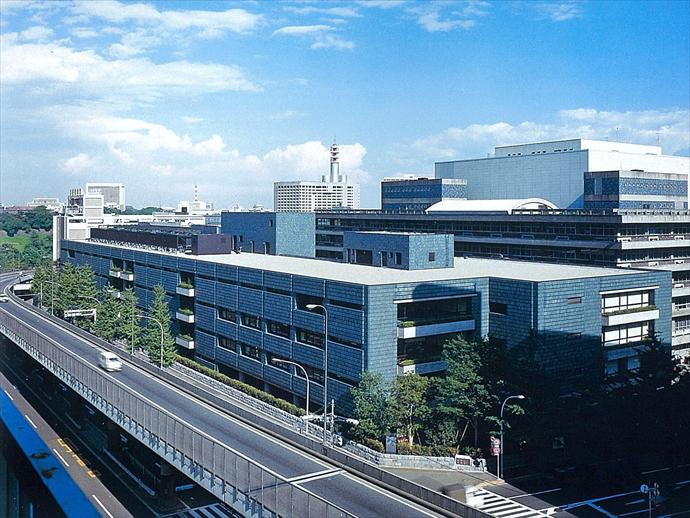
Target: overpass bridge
(250,470)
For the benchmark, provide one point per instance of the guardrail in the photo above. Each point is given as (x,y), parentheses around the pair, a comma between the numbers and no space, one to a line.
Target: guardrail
(234,478)
(312,442)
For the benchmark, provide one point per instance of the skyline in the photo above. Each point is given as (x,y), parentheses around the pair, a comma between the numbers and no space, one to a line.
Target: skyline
(161,97)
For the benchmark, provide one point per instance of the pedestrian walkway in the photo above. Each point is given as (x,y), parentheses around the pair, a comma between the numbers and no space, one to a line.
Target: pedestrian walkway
(502,507)
(207,511)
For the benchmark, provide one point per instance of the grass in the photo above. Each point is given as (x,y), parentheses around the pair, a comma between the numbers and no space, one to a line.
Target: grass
(22,240)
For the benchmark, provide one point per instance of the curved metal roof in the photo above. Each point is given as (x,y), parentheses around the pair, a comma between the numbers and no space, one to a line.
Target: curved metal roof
(502,206)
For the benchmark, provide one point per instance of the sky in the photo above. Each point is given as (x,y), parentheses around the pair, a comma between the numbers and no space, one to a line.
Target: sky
(233,96)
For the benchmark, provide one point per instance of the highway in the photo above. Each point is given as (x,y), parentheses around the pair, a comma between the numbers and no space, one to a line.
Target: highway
(354,495)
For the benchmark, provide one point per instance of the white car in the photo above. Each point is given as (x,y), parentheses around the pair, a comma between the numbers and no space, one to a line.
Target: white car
(4,298)
(109,361)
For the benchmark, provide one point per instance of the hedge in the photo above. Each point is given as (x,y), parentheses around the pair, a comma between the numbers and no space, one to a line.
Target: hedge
(244,387)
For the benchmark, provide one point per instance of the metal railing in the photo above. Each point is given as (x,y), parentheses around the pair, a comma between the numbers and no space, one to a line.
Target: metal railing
(239,481)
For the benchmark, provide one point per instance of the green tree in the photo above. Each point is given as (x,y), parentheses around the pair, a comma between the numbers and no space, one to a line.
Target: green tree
(371,399)
(409,404)
(108,319)
(39,218)
(130,323)
(462,397)
(159,312)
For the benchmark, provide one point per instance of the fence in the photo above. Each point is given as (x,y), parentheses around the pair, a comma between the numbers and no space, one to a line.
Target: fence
(239,481)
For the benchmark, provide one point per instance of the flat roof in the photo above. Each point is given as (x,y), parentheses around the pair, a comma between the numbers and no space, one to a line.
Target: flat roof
(469,268)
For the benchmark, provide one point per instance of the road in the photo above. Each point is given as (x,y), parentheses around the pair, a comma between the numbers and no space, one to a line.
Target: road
(354,495)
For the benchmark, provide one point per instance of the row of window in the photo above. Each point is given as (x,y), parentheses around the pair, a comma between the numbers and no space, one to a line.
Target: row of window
(622,301)
(627,333)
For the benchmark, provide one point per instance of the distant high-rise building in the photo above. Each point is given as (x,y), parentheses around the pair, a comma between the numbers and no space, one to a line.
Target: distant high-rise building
(332,191)
(113,194)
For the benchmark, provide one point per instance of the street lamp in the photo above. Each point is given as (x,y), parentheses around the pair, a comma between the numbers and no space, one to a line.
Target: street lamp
(312,307)
(159,325)
(52,295)
(499,468)
(304,371)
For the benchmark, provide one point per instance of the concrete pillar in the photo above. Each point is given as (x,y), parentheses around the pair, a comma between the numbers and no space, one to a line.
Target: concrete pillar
(113,434)
(168,481)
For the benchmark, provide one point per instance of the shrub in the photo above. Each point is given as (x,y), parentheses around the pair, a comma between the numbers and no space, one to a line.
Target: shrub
(243,387)
(373,444)
(186,285)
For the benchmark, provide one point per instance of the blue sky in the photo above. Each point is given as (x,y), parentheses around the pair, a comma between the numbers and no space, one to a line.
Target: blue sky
(235,95)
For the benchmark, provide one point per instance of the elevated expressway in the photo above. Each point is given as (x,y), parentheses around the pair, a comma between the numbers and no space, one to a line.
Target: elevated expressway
(254,472)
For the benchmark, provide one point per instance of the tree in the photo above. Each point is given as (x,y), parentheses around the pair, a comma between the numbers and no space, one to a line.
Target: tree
(409,403)
(108,315)
(130,323)
(371,401)
(159,312)
(462,397)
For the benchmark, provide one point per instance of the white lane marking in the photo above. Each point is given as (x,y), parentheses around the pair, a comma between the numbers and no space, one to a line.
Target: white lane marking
(283,445)
(8,395)
(594,500)
(538,493)
(654,471)
(319,477)
(633,502)
(30,421)
(632,513)
(388,495)
(60,457)
(102,506)
(316,474)
(497,505)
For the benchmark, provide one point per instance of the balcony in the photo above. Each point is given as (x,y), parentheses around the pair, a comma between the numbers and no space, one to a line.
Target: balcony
(127,276)
(421,366)
(438,326)
(680,338)
(681,310)
(185,341)
(115,272)
(628,316)
(185,315)
(185,289)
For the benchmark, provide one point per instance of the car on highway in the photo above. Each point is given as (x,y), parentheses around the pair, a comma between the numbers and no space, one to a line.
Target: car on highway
(109,361)
(4,298)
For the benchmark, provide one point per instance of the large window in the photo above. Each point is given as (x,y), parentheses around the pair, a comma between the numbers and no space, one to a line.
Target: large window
(627,333)
(310,338)
(313,373)
(250,321)
(227,343)
(623,301)
(278,329)
(226,314)
(250,351)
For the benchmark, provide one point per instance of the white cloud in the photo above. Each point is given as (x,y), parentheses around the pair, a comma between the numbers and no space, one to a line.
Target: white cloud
(321,36)
(191,120)
(671,127)
(83,33)
(344,12)
(559,12)
(447,16)
(208,23)
(153,158)
(77,164)
(88,73)
(36,33)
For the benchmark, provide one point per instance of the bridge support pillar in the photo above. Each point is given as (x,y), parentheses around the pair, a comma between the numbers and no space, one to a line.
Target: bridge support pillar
(113,433)
(168,481)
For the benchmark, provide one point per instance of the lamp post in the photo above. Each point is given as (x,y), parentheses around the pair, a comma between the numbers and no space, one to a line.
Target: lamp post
(312,307)
(499,468)
(159,325)
(52,295)
(304,371)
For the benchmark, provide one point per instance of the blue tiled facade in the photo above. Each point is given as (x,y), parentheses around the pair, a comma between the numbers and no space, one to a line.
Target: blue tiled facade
(274,233)
(419,194)
(245,317)
(635,190)
(405,251)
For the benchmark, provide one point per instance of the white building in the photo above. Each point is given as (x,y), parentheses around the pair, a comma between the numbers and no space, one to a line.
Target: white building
(332,191)
(113,194)
(555,170)
(52,204)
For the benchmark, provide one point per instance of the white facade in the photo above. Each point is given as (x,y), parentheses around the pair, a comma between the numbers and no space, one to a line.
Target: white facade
(53,204)
(554,170)
(333,191)
(314,196)
(113,194)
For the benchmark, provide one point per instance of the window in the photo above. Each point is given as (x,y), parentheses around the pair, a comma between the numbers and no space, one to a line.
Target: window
(278,329)
(278,365)
(498,308)
(309,337)
(250,351)
(226,314)
(250,321)
(627,333)
(574,300)
(398,258)
(573,337)
(623,301)
(432,257)
(313,373)
(302,300)
(227,343)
